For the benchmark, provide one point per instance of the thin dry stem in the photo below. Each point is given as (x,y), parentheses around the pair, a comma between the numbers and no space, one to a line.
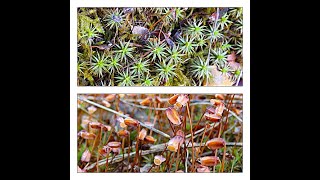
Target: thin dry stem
(125,116)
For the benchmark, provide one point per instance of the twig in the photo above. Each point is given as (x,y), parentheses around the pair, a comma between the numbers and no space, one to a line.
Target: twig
(125,116)
(142,107)
(153,149)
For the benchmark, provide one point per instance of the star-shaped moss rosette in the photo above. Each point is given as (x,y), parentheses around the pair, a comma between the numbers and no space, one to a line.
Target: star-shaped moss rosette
(160,46)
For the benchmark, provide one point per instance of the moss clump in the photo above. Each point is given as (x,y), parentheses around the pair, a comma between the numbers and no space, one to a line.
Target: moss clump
(159,46)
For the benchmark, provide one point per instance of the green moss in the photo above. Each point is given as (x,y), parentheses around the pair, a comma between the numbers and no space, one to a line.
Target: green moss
(190,32)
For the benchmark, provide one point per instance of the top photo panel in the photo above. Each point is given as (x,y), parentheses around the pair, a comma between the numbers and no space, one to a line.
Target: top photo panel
(171,46)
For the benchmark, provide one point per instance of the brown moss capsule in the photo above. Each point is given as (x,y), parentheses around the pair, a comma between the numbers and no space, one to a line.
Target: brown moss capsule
(121,121)
(180,171)
(116,150)
(180,133)
(219,96)
(158,99)
(91,109)
(110,97)
(123,133)
(211,109)
(215,143)
(174,143)
(146,101)
(114,144)
(209,161)
(212,117)
(106,103)
(86,135)
(150,139)
(158,160)
(198,150)
(81,170)
(182,100)
(142,134)
(105,127)
(219,110)
(173,99)
(237,111)
(203,169)
(95,125)
(173,116)
(106,149)
(197,127)
(86,155)
(102,152)
(131,122)
(215,101)
(84,123)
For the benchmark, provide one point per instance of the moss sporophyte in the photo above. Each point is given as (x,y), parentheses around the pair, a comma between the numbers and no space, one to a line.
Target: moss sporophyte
(159,133)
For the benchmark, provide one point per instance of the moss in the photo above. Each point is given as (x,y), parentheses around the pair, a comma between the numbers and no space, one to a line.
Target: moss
(168,27)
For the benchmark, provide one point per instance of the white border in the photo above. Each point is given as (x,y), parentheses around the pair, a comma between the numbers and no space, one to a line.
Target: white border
(74,89)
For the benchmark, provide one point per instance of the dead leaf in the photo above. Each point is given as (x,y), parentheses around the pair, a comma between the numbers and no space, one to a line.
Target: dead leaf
(231,57)
(234,65)
(219,78)
(139,30)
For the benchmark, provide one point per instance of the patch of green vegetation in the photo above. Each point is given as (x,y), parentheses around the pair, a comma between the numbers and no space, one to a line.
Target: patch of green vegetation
(159,46)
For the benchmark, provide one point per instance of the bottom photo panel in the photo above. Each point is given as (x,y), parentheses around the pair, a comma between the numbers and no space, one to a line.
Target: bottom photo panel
(160,133)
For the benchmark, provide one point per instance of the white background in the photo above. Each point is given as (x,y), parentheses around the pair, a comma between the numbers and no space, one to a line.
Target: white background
(74,89)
